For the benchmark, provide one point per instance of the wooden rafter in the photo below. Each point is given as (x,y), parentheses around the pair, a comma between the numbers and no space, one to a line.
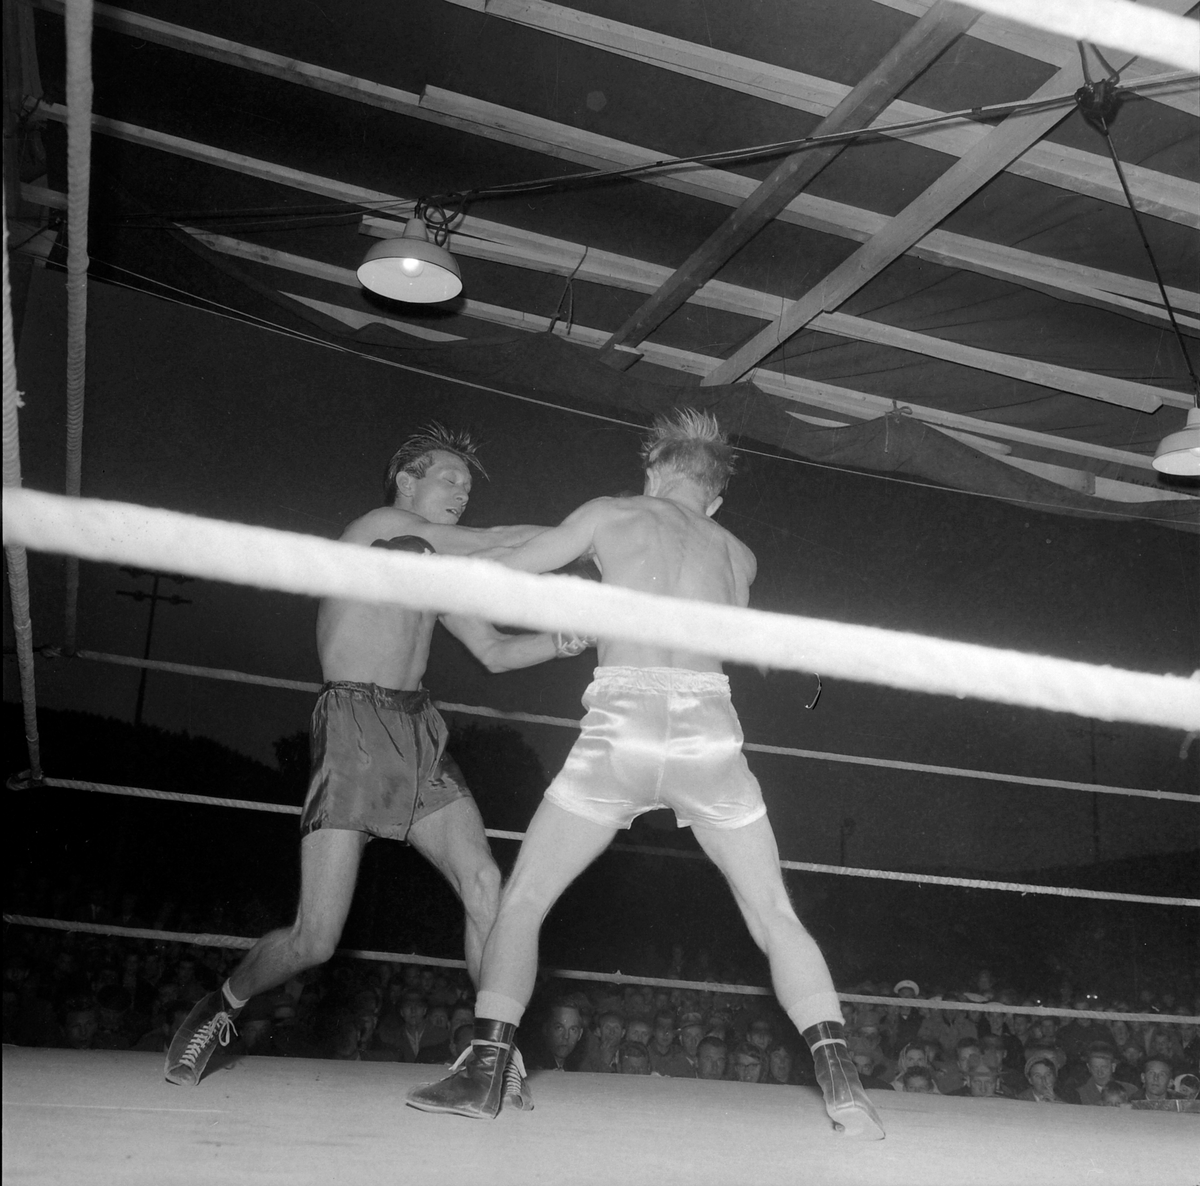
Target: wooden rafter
(481,118)
(1053,164)
(922,44)
(946,194)
(536,252)
(859,405)
(1060,51)
(1111,291)
(800,391)
(1059,278)
(483,239)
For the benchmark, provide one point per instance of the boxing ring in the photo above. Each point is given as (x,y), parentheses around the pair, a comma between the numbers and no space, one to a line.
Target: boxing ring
(80,1116)
(85,1116)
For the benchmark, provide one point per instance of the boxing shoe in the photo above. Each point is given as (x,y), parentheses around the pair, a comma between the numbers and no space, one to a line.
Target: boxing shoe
(207,1026)
(845,1100)
(475,1086)
(516,1084)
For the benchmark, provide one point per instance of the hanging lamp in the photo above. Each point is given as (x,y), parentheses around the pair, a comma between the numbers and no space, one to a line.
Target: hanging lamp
(411,268)
(1178,453)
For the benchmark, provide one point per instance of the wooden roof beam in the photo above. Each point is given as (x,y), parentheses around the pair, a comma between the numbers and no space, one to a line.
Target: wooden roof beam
(922,215)
(537,253)
(1065,280)
(1061,51)
(1110,291)
(1061,165)
(921,45)
(844,401)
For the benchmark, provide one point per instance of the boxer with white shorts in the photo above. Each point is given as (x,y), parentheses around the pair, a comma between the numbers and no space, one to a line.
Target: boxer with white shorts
(660,731)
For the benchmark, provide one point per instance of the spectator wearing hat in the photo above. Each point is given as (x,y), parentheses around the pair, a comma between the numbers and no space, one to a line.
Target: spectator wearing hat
(1101,1061)
(691,1031)
(901,1023)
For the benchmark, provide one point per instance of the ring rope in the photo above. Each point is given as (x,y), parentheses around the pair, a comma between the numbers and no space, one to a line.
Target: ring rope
(647,850)
(572,723)
(78,34)
(18,561)
(242,943)
(100,530)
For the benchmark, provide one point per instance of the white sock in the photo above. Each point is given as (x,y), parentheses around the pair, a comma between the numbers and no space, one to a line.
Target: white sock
(808,1011)
(495,1006)
(234,1002)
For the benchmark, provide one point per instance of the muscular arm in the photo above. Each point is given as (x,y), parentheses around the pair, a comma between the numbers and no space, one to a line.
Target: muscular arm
(447,539)
(498,651)
(556,546)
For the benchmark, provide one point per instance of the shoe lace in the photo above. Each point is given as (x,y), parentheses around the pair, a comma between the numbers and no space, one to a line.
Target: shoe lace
(219,1027)
(514,1073)
(460,1061)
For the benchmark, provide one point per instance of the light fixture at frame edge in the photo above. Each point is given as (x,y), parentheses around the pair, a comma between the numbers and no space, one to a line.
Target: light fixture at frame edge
(411,268)
(1179,452)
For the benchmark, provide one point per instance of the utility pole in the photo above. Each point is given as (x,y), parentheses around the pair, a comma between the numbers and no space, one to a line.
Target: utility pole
(1091,733)
(154,597)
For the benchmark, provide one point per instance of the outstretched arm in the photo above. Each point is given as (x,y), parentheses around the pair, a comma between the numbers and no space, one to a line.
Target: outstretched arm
(572,538)
(447,539)
(505,652)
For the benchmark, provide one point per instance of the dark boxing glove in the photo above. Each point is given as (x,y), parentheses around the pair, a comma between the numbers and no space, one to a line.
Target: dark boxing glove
(405,543)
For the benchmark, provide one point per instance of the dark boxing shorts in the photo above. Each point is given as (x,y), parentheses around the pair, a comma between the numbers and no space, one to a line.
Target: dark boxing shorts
(379,761)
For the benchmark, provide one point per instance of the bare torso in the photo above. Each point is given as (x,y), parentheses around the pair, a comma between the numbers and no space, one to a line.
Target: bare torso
(377,644)
(657,545)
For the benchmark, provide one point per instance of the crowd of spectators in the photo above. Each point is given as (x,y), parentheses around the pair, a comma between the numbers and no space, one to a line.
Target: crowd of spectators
(103,992)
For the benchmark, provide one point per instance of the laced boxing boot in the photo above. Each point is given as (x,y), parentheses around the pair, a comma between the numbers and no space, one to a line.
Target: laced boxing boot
(845,1100)
(516,1085)
(208,1025)
(475,1086)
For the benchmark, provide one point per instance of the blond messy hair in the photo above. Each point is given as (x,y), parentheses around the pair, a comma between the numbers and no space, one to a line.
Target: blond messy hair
(690,442)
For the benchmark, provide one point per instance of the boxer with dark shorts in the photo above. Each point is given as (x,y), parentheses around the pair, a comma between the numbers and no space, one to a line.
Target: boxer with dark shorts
(379,761)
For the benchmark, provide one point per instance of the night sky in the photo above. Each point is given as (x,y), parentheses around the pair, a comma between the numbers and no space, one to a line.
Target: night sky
(207,415)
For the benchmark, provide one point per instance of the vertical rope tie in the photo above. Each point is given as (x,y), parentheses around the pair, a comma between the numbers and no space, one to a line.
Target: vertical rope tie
(78,17)
(18,569)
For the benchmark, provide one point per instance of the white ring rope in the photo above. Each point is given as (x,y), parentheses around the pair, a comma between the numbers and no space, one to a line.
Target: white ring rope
(78,33)
(478,710)
(242,943)
(1058,891)
(18,566)
(124,533)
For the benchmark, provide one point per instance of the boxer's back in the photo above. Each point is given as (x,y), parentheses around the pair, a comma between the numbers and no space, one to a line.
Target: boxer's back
(656,545)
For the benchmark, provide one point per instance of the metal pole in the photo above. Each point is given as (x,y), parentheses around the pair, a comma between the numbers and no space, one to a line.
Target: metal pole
(141,696)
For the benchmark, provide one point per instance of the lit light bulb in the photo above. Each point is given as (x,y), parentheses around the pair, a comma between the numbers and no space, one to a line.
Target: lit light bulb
(412,267)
